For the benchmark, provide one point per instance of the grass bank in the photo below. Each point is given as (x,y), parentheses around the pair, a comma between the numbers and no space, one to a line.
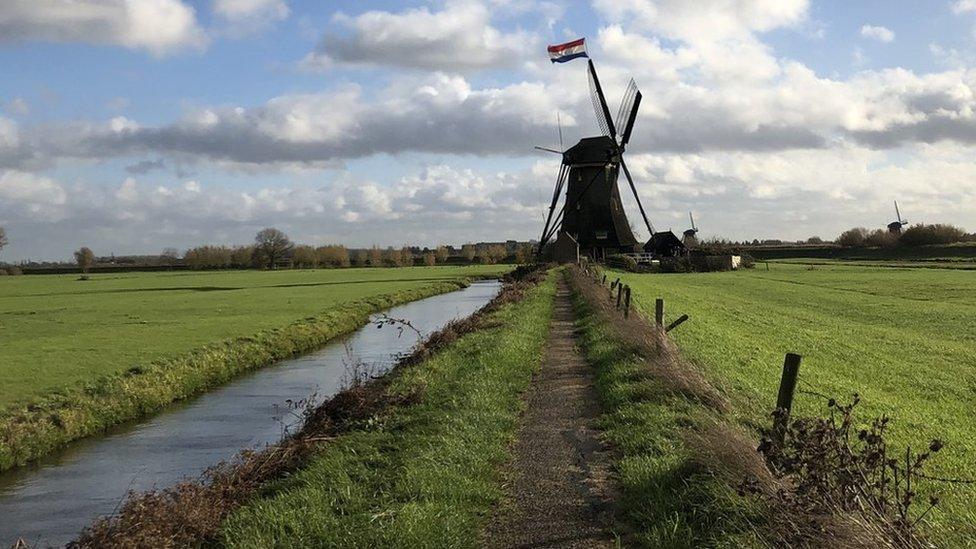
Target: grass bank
(901,338)
(50,421)
(426,475)
(677,461)
(410,459)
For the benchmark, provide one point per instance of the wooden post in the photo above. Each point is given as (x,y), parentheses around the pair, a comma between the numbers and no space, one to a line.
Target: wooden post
(659,311)
(627,307)
(676,323)
(784,400)
(620,294)
(604,283)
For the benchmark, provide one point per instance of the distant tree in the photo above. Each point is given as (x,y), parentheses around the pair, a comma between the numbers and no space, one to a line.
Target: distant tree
(171,254)
(335,255)
(524,253)
(922,234)
(498,253)
(375,257)
(430,259)
(853,238)
(304,256)
(393,257)
(209,257)
(242,257)
(406,257)
(443,254)
(85,258)
(814,240)
(880,238)
(272,246)
(360,258)
(469,251)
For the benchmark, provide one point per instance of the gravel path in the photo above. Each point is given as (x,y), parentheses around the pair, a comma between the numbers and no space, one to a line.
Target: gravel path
(559,492)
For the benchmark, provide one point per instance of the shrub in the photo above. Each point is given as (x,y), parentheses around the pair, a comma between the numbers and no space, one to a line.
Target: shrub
(304,256)
(922,234)
(622,262)
(881,238)
(853,238)
(336,255)
(13,270)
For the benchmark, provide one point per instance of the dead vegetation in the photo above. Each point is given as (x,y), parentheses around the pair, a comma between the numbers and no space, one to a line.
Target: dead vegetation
(191,512)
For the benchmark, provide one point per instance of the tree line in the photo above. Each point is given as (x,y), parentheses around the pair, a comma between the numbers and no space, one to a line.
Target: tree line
(917,235)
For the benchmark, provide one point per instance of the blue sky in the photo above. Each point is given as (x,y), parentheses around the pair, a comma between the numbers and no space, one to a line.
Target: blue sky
(133,125)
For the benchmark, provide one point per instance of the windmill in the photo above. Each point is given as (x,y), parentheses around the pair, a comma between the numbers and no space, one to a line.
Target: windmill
(592,214)
(895,226)
(690,236)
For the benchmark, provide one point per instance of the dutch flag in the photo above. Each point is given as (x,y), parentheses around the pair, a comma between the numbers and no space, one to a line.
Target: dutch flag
(568,51)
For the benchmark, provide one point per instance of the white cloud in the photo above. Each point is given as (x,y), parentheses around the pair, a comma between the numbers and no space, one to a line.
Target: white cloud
(159,26)
(459,37)
(237,10)
(878,33)
(964,6)
(17,106)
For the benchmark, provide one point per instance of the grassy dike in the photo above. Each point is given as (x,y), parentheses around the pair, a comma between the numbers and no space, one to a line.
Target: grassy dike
(677,461)
(426,474)
(51,422)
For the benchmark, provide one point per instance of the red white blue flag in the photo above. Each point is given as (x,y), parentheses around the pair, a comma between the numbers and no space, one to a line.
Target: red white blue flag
(568,51)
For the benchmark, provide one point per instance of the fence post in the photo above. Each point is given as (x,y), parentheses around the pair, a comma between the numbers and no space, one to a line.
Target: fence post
(676,323)
(604,283)
(659,311)
(627,308)
(620,294)
(784,400)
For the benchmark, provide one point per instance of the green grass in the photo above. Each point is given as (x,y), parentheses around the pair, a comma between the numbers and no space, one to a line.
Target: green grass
(667,497)
(57,331)
(940,263)
(426,475)
(79,357)
(902,338)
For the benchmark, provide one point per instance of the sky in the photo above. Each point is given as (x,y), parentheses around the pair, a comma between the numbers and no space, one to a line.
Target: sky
(130,126)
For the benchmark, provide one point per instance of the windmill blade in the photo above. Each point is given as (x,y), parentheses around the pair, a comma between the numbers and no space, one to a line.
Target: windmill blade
(692,217)
(547,149)
(633,188)
(897,213)
(625,104)
(559,124)
(560,182)
(629,127)
(600,104)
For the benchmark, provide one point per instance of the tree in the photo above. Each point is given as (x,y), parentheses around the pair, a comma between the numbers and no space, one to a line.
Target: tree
(393,257)
(442,254)
(171,254)
(361,258)
(469,251)
(852,238)
(430,259)
(272,246)
(524,253)
(304,256)
(406,257)
(922,234)
(242,257)
(880,238)
(336,255)
(85,258)
(375,257)
(814,240)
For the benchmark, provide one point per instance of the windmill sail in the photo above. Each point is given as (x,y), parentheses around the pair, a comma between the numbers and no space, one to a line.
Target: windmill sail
(600,103)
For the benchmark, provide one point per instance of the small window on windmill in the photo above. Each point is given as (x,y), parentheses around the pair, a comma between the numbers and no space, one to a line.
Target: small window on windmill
(601,235)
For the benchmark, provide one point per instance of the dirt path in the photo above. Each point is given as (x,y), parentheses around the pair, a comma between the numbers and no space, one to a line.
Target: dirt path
(559,493)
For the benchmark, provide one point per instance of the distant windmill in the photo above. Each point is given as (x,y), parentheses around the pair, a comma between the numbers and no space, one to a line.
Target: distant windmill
(690,236)
(895,226)
(593,215)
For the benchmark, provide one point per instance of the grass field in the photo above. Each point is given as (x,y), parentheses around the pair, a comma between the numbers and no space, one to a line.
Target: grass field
(945,263)
(57,331)
(428,474)
(904,339)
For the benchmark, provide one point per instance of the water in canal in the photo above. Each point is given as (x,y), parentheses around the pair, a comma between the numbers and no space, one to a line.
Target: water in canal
(50,502)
